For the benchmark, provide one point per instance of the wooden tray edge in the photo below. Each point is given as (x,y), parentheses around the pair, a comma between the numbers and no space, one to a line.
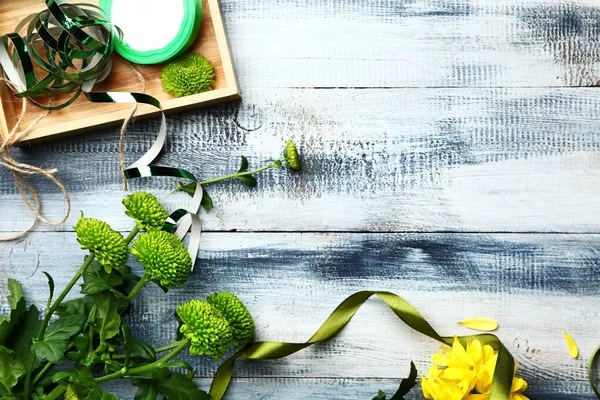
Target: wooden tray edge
(70,128)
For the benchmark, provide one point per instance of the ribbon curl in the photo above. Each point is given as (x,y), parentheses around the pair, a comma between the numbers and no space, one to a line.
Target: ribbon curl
(503,372)
(71,47)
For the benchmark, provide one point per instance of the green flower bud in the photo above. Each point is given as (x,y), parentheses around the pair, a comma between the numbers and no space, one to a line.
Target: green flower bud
(187,75)
(164,257)
(291,155)
(102,241)
(205,328)
(237,315)
(147,211)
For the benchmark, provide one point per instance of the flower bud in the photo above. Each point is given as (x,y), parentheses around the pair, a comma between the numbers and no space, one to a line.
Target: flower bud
(147,211)
(291,156)
(189,74)
(102,241)
(237,315)
(164,257)
(205,328)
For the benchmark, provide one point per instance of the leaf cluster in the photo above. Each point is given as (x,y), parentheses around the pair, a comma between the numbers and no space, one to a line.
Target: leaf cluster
(88,334)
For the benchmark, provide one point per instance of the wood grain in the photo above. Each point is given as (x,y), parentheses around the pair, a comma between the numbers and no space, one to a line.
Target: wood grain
(353,389)
(211,42)
(456,122)
(425,160)
(291,282)
(402,43)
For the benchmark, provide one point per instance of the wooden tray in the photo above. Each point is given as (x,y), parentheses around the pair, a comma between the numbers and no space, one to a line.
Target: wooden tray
(80,116)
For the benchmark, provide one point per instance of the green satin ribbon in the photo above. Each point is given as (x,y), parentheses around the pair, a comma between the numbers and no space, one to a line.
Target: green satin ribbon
(188,31)
(503,373)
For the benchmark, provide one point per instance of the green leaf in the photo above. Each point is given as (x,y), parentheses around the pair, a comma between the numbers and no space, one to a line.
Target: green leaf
(64,328)
(10,372)
(189,188)
(248,180)
(207,202)
(109,318)
(179,364)
(405,386)
(24,333)
(57,338)
(244,166)
(380,396)
(17,305)
(82,346)
(143,350)
(95,285)
(82,307)
(147,389)
(178,387)
(51,286)
(50,350)
(96,279)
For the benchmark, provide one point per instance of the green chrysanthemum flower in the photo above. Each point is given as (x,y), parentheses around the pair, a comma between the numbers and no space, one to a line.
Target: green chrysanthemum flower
(164,257)
(187,75)
(147,211)
(101,240)
(291,155)
(236,314)
(205,328)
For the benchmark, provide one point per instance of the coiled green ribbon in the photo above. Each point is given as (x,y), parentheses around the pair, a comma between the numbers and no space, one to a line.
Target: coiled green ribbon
(71,45)
(503,373)
(188,31)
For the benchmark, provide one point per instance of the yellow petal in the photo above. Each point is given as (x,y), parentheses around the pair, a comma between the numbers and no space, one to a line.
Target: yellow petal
(480,324)
(572,345)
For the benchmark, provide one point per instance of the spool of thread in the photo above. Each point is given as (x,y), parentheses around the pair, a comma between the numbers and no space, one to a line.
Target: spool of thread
(154,31)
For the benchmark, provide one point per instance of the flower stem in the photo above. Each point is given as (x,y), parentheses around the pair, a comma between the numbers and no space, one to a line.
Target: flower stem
(94,309)
(145,279)
(42,372)
(161,349)
(56,393)
(180,346)
(50,311)
(275,164)
(132,234)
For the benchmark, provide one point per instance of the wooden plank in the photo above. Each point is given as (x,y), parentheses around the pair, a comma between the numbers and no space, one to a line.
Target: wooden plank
(291,282)
(425,160)
(401,43)
(352,389)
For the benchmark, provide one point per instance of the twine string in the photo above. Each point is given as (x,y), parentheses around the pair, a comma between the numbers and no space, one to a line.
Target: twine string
(21,171)
(126,122)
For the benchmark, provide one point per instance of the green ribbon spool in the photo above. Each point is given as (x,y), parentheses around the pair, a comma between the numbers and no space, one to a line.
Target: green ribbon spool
(141,48)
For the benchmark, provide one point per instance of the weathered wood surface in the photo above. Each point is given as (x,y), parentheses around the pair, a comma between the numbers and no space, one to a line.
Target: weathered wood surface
(421,160)
(475,117)
(291,282)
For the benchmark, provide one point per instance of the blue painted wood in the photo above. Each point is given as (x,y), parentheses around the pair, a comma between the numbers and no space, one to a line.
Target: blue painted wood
(436,118)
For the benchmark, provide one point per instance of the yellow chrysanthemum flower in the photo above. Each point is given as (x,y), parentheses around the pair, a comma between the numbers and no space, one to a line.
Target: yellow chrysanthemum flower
(466,374)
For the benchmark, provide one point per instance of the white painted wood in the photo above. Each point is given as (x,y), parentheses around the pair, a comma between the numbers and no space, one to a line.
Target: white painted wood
(401,43)
(419,116)
(350,389)
(534,285)
(374,160)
